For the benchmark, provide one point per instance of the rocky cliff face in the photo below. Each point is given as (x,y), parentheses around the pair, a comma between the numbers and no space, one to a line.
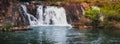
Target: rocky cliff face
(75,10)
(10,13)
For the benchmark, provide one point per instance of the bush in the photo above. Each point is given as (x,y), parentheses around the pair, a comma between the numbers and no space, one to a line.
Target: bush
(7,27)
(92,13)
(111,13)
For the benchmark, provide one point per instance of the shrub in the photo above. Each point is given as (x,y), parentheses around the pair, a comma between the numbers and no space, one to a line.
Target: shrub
(92,13)
(7,27)
(111,13)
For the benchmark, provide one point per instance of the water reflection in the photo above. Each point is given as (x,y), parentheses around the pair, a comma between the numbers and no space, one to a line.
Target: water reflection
(57,35)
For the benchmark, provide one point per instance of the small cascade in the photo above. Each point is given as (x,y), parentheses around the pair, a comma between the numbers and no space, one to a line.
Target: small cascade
(47,16)
(31,18)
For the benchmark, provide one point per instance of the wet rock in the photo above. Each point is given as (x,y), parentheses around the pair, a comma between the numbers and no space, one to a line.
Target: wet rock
(32,8)
(85,5)
(75,10)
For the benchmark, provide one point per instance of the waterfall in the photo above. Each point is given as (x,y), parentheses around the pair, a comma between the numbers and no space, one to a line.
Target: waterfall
(47,16)
(32,20)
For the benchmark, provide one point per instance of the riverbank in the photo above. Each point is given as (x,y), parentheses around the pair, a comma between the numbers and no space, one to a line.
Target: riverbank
(12,29)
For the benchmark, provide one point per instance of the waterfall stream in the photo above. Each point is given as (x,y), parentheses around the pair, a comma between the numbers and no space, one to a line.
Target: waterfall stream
(47,16)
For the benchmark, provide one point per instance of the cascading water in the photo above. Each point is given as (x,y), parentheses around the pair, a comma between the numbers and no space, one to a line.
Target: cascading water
(31,18)
(47,16)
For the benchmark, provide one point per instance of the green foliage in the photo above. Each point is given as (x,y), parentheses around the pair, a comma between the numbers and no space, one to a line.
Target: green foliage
(7,27)
(108,10)
(111,12)
(92,14)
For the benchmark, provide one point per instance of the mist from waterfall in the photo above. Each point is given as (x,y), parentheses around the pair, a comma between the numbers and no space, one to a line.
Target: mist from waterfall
(47,16)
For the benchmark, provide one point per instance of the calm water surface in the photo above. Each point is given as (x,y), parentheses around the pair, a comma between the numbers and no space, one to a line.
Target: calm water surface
(59,35)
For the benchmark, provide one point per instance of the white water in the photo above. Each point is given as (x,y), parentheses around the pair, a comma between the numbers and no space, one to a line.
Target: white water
(52,16)
(31,18)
